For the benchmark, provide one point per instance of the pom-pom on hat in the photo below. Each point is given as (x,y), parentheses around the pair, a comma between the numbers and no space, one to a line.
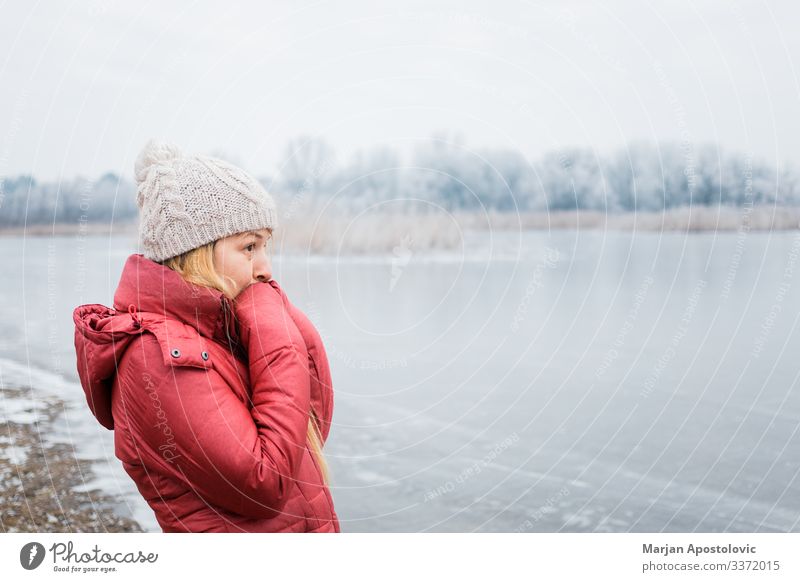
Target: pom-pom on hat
(188,201)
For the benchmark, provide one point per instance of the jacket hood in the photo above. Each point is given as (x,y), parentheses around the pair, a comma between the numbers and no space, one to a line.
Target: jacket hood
(149,297)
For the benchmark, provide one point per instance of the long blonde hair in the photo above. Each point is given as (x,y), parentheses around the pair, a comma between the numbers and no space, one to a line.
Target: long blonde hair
(197,266)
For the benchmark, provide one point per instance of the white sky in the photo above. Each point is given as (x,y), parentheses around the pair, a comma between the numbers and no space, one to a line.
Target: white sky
(85,84)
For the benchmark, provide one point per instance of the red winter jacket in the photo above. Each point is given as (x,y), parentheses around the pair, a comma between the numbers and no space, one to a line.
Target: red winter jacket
(210,412)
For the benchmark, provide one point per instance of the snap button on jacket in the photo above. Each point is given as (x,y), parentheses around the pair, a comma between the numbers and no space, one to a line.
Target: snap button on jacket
(210,400)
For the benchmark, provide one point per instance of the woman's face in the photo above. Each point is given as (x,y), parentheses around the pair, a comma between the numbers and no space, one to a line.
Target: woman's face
(244,258)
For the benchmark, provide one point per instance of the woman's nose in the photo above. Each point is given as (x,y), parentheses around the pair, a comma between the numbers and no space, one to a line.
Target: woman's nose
(262,268)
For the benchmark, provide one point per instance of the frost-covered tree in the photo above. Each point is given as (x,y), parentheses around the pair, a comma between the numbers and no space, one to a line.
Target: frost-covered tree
(442,171)
(371,176)
(306,166)
(505,180)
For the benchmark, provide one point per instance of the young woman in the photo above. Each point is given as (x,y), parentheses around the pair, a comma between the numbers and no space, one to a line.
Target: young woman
(216,386)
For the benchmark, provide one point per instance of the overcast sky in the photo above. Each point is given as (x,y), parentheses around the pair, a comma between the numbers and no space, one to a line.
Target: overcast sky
(85,84)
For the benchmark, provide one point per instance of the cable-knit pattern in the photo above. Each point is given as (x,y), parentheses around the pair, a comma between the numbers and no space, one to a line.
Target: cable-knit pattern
(188,201)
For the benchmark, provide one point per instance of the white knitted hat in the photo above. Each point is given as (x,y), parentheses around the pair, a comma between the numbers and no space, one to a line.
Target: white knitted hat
(188,201)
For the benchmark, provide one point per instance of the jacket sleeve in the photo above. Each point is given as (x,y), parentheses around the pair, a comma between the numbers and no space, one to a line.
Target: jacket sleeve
(241,458)
(321,383)
(280,380)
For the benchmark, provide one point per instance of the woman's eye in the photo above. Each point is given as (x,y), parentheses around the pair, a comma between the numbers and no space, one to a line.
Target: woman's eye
(251,247)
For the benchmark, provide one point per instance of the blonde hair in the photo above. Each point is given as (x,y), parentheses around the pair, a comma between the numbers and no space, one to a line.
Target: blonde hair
(197,266)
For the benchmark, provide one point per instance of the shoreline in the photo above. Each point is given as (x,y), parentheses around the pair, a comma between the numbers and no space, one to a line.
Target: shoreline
(681,219)
(315,232)
(41,482)
(690,219)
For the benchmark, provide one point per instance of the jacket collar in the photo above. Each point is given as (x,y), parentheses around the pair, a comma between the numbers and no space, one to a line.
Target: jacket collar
(152,288)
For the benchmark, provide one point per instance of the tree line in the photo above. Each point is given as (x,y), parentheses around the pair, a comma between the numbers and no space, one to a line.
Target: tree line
(445,173)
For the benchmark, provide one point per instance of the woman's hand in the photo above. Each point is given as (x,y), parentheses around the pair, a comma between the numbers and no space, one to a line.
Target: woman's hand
(261,308)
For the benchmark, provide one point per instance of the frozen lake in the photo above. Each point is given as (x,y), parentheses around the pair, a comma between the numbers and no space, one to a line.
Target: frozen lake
(564,381)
